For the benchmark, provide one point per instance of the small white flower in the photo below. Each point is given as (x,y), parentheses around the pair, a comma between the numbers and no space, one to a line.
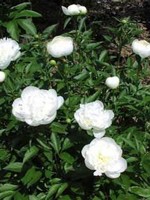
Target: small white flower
(103,155)
(37,106)
(141,48)
(9,51)
(60,46)
(112,82)
(93,116)
(2,76)
(74,10)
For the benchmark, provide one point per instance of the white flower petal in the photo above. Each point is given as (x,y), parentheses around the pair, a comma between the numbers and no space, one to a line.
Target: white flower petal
(103,155)
(9,51)
(37,106)
(94,116)
(99,134)
(65,10)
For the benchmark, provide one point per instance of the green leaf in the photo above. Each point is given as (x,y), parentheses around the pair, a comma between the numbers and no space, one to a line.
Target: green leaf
(53,189)
(142,192)
(6,194)
(58,128)
(21,6)
(19,196)
(50,29)
(93,97)
(67,22)
(61,189)
(102,55)
(82,23)
(12,29)
(146,162)
(14,167)
(55,142)
(27,25)
(32,152)
(7,187)
(28,13)
(31,177)
(67,157)
(43,145)
(82,76)
(33,197)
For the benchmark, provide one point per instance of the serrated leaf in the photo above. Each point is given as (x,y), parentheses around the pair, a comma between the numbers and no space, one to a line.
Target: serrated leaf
(14,167)
(30,153)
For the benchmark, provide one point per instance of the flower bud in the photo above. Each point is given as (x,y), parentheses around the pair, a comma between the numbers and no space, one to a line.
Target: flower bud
(74,10)
(60,46)
(52,62)
(2,76)
(141,48)
(112,82)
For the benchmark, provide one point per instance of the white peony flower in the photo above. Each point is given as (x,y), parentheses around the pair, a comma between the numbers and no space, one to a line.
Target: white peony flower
(141,48)
(93,116)
(37,106)
(74,10)
(112,82)
(103,155)
(60,46)
(9,51)
(2,76)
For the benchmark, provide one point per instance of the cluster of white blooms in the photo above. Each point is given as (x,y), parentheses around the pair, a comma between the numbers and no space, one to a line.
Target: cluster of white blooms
(103,155)
(74,10)
(9,51)
(94,116)
(141,48)
(112,82)
(37,106)
(60,46)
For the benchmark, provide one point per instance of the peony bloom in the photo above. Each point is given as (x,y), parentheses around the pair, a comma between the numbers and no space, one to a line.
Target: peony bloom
(60,46)
(9,51)
(112,82)
(74,10)
(93,116)
(37,106)
(2,76)
(141,48)
(103,155)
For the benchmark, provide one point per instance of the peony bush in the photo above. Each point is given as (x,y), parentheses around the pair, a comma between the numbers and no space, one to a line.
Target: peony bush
(74,120)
